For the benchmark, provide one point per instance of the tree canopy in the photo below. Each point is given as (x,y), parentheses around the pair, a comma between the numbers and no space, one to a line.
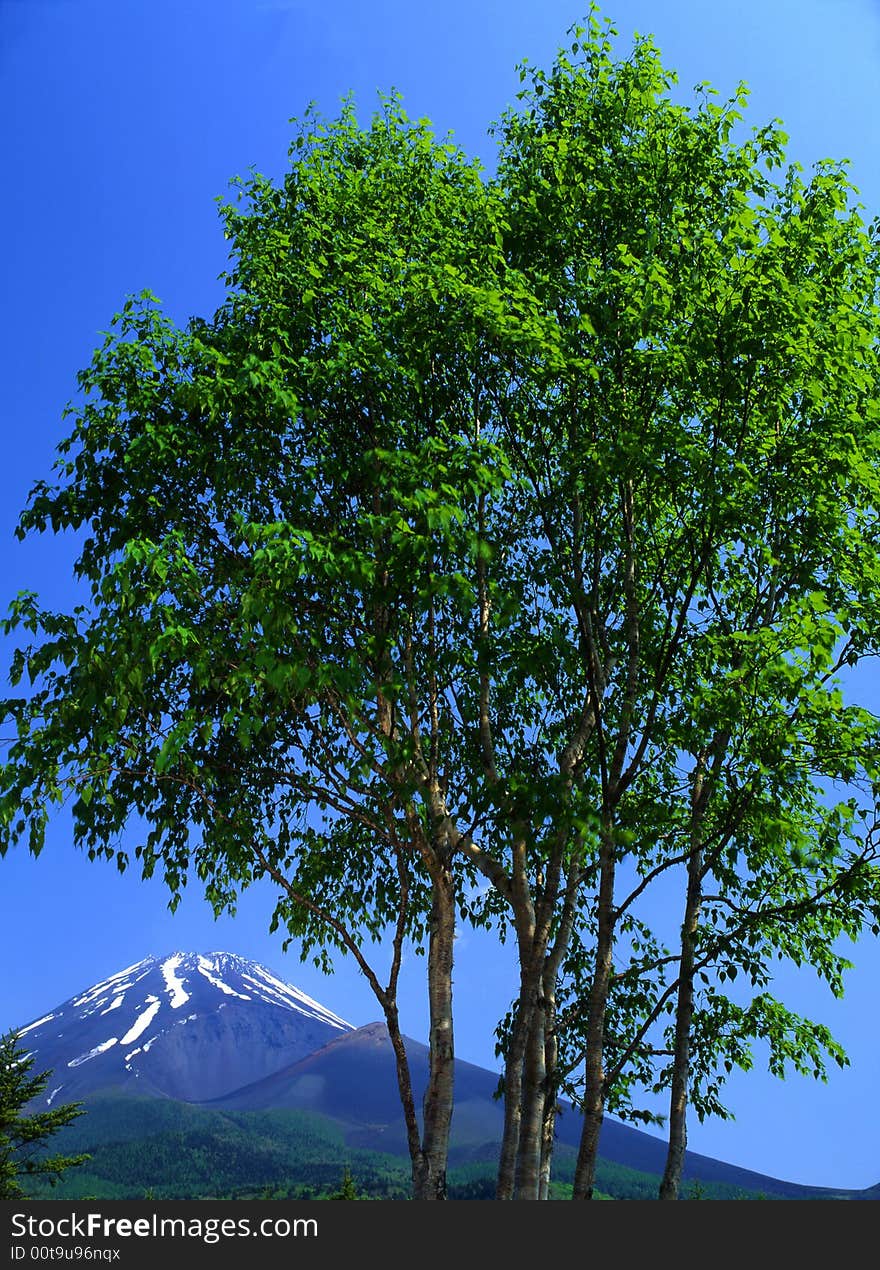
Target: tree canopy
(493,553)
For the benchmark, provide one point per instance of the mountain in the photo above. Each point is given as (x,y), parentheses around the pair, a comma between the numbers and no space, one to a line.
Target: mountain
(189,1026)
(352,1080)
(219,1043)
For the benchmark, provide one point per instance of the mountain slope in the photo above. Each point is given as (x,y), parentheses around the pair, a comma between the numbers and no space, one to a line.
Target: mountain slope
(172,1150)
(352,1080)
(220,1034)
(189,1026)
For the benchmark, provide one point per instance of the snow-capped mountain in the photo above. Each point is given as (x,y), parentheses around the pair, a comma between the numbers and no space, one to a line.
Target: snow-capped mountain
(191,1026)
(216,1028)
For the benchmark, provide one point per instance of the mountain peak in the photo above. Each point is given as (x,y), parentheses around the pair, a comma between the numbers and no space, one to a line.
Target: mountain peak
(230,974)
(187,1025)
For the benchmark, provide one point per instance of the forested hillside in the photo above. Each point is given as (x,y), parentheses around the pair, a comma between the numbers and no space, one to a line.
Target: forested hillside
(168,1150)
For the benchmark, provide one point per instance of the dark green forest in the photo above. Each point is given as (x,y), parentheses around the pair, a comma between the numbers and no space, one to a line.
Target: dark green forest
(164,1150)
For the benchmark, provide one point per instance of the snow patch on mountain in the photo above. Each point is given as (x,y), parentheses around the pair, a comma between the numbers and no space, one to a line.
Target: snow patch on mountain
(206,967)
(93,1053)
(39,1023)
(173,984)
(143,1021)
(285,994)
(113,983)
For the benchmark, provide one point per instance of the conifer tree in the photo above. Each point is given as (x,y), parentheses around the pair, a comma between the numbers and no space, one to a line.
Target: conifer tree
(22,1135)
(347,1187)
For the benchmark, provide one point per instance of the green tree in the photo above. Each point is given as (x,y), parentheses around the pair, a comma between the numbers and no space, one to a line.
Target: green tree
(279,507)
(478,531)
(23,1133)
(347,1187)
(707,574)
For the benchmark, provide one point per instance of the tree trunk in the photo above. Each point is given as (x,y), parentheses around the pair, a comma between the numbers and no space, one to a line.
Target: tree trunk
(528,1163)
(684,1009)
(530,960)
(437,1105)
(551,1059)
(594,1092)
(513,1086)
(407,1100)
(519,1162)
(671,1181)
(550,980)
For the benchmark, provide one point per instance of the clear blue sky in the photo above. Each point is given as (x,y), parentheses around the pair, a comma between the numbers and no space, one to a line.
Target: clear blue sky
(122,121)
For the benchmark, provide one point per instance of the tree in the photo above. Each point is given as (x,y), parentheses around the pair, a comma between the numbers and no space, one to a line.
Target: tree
(278,563)
(712,332)
(23,1135)
(480,536)
(347,1187)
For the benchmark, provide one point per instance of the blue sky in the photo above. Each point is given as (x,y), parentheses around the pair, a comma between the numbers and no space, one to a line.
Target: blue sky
(122,123)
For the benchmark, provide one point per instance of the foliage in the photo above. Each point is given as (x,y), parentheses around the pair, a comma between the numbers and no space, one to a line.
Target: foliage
(517,531)
(278,509)
(347,1187)
(698,442)
(24,1132)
